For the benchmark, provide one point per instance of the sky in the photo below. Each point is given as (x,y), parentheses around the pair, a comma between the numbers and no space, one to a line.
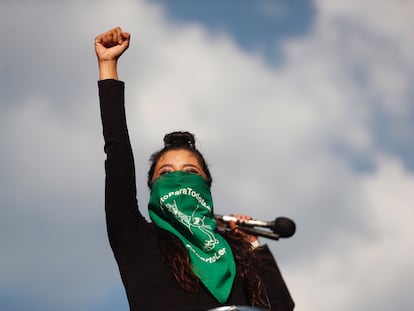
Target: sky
(302,109)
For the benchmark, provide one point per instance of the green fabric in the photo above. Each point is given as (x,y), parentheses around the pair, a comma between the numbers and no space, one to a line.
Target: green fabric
(181,203)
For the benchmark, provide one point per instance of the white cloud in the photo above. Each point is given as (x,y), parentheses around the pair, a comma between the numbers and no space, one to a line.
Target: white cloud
(370,269)
(377,33)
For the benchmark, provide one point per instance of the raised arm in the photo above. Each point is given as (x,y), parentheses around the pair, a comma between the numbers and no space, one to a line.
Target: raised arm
(109,46)
(120,189)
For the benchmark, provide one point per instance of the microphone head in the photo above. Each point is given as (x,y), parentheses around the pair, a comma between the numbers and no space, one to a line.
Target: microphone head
(284,227)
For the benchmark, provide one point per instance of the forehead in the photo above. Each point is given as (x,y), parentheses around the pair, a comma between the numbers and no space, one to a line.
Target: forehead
(178,156)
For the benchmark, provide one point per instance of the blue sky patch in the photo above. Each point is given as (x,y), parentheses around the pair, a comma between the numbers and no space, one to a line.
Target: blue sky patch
(257,26)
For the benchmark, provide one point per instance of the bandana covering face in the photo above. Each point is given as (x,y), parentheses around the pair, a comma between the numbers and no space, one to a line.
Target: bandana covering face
(181,203)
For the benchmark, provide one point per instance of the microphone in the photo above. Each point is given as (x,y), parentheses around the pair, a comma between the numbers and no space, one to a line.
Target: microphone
(282,227)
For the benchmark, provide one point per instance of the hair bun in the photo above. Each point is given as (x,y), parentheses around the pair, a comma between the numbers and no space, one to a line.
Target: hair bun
(179,139)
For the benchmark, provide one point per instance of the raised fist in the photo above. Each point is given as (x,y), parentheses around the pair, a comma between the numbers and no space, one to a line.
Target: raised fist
(110,45)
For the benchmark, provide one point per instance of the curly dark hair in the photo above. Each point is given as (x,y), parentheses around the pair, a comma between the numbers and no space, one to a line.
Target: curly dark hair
(176,256)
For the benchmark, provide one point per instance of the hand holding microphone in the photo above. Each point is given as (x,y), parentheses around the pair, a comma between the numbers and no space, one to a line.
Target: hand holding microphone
(233,220)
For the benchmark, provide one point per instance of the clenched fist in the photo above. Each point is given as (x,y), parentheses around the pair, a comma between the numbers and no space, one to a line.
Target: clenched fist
(109,46)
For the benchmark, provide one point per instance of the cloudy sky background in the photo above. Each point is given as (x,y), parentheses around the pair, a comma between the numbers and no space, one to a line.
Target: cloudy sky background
(303,109)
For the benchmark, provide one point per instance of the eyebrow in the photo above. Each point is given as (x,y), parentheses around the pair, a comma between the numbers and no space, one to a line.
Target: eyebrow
(184,165)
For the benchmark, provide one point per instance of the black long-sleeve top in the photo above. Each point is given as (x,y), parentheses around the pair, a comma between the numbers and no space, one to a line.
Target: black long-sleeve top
(149,284)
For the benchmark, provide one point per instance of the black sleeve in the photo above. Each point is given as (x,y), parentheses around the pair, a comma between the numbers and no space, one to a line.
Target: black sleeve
(120,187)
(276,289)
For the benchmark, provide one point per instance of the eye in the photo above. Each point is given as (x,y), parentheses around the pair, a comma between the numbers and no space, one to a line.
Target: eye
(192,170)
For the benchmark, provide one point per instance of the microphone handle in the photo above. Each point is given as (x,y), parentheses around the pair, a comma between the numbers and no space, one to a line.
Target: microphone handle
(251,222)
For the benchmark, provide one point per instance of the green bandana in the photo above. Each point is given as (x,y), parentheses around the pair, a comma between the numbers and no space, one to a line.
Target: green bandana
(181,203)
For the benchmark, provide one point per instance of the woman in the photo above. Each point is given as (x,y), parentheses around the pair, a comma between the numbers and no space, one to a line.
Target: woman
(179,261)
